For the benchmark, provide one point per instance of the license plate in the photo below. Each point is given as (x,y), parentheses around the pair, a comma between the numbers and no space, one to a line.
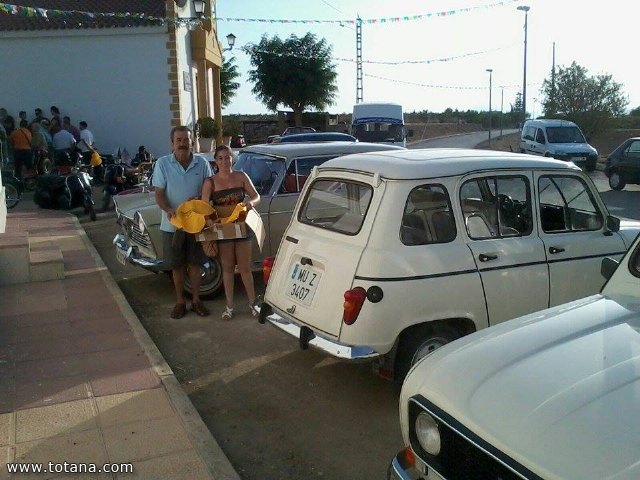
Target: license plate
(121,256)
(303,283)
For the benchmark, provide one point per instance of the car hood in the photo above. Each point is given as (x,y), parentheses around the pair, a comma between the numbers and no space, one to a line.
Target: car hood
(558,390)
(128,204)
(571,148)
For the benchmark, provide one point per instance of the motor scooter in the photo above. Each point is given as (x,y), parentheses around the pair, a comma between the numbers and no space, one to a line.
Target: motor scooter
(66,192)
(117,179)
(13,188)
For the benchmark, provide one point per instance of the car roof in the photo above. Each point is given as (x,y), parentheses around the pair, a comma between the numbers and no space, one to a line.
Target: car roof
(550,122)
(317,137)
(317,148)
(440,162)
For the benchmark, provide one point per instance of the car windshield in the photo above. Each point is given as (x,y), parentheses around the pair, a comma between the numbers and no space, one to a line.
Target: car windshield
(263,170)
(378,132)
(565,135)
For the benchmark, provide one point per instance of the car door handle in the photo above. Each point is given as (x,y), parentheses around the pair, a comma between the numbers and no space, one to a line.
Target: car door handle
(553,250)
(485,257)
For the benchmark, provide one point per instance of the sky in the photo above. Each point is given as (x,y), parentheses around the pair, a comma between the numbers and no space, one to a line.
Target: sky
(600,36)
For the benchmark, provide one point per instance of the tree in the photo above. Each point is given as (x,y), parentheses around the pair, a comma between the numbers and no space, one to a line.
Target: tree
(296,72)
(228,86)
(588,101)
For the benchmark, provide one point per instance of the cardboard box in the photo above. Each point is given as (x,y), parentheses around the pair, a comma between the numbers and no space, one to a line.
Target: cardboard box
(230,231)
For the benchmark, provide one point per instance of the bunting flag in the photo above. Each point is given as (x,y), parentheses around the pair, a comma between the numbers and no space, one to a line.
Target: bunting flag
(396,62)
(450,87)
(12,9)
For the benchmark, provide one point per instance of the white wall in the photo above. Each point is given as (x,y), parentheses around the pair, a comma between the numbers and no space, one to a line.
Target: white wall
(114,79)
(188,100)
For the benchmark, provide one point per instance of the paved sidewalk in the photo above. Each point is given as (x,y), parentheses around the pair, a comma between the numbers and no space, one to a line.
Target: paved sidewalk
(80,379)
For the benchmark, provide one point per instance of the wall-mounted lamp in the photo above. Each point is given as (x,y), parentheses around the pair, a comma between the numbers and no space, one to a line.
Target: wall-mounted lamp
(231,40)
(198,7)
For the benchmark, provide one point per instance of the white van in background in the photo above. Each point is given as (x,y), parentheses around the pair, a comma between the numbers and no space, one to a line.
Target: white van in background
(379,122)
(560,139)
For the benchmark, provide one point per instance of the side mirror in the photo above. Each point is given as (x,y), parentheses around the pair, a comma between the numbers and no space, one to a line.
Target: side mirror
(607,267)
(613,223)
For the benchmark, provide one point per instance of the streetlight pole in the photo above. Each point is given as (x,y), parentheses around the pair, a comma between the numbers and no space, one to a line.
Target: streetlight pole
(525,9)
(501,109)
(490,70)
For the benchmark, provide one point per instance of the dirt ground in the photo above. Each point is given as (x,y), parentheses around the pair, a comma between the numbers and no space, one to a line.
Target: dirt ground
(605,143)
(423,131)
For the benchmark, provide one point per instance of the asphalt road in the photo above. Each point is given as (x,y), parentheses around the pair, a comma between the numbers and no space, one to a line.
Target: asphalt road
(277,412)
(466,140)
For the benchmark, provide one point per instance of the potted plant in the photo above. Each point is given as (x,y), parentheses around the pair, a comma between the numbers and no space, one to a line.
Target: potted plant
(206,131)
(230,129)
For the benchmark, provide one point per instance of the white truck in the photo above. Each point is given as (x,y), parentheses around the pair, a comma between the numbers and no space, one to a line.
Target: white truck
(379,122)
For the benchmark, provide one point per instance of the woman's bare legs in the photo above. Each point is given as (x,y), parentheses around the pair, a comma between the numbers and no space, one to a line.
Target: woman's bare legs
(228,261)
(243,259)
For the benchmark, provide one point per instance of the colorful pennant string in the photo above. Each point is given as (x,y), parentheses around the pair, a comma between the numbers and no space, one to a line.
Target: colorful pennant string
(449,87)
(12,9)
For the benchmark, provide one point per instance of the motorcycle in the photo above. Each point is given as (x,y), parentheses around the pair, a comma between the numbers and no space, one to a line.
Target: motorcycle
(117,179)
(66,192)
(42,165)
(13,188)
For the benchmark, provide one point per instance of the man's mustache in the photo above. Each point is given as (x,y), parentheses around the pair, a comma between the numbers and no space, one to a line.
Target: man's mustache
(183,148)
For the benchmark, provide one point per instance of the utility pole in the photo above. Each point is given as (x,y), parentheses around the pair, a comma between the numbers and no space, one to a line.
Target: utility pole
(552,103)
(490,70)
(359,87)
(525,9)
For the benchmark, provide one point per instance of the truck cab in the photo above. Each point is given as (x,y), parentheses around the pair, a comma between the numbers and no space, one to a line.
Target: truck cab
(379,123)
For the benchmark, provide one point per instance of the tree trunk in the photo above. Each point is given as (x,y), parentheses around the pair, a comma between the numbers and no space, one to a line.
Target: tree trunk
(297,115)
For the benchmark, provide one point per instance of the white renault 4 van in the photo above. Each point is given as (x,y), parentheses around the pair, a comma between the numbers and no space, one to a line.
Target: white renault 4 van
(390,255)
(559,139)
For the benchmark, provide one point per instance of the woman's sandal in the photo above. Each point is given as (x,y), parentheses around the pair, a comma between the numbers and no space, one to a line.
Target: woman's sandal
(227,314)
(200,309)
(179,309)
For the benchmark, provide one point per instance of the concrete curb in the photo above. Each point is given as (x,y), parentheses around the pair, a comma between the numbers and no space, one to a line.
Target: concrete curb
(203,441)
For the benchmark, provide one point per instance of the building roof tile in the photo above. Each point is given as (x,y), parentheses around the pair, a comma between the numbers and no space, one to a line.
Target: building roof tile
(74,21)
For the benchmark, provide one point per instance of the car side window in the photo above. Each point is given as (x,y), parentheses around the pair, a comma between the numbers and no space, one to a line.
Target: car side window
(497,207)
(298,172)
(567,204)
(428,217)
(634,148)
(634,262)
(540,136)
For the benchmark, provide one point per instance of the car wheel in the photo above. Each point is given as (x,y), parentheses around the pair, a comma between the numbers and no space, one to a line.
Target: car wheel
(418,342)
(211,279)
(616,182)
(11,194)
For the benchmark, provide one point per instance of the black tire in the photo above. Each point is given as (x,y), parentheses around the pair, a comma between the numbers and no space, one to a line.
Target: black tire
(418,342)
(92,213)
(30,183)
(211,273)
(616,181)
(11,194)
(106,201)
(63,202)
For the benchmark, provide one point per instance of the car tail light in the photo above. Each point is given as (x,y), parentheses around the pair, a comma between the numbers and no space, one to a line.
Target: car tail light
(409,456)
(267,264)
(353,300)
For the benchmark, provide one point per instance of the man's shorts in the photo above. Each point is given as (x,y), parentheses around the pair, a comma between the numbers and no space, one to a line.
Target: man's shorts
(180,249)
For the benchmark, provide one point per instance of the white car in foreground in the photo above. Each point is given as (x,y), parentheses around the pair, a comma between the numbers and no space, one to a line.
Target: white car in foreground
(551,395)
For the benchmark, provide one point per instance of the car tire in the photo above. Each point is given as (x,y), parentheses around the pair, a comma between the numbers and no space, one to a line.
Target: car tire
(418,342)
(211,274)
(616,182)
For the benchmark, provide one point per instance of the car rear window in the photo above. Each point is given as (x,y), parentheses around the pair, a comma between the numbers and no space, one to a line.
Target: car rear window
(337,205)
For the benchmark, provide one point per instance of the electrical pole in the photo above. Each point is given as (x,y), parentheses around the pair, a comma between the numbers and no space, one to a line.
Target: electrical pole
(359,87)
(552,103)
(490,70)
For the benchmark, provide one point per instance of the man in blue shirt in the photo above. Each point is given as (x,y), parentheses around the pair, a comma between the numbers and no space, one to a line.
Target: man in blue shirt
(179,177)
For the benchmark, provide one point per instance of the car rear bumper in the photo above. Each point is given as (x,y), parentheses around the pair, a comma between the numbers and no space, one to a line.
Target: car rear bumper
(309,338)
(125,251)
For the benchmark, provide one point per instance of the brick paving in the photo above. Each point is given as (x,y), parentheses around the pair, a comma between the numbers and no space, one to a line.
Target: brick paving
(75,383)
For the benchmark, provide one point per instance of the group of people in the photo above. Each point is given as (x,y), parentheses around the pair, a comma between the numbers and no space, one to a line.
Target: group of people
(183,176)
(29,140)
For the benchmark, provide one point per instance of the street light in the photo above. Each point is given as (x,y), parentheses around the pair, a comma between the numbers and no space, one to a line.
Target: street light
(525,9)
(490,70)
(231,40)
(198,7)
